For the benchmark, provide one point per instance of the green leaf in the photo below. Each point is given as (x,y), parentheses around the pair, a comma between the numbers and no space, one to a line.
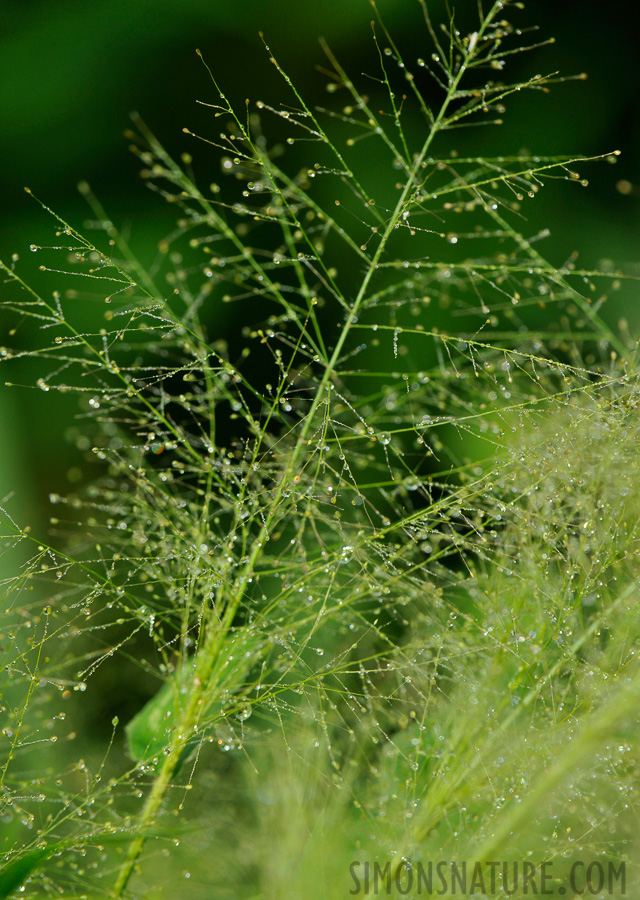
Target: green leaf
(15,873)
(149,732)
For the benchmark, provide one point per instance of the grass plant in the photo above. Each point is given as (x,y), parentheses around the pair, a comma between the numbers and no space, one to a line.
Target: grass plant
(358,558)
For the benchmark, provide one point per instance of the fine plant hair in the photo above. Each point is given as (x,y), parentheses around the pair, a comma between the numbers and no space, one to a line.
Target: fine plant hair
(361,535)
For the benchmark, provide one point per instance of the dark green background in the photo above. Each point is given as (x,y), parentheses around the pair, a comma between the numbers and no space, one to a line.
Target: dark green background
(71,72)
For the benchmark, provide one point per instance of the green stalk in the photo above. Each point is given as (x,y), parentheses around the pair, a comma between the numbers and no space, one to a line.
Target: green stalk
(189,718)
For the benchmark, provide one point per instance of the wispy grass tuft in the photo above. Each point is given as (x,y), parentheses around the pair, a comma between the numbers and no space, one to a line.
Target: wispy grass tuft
(358,566)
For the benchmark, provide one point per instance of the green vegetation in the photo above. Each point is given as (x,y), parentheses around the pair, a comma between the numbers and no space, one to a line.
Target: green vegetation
(358,565)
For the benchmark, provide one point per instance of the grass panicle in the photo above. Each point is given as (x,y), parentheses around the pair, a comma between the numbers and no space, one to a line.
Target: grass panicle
(354,569)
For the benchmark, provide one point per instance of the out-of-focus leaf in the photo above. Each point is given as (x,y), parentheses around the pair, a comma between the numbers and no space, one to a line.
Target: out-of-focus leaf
(16,872)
